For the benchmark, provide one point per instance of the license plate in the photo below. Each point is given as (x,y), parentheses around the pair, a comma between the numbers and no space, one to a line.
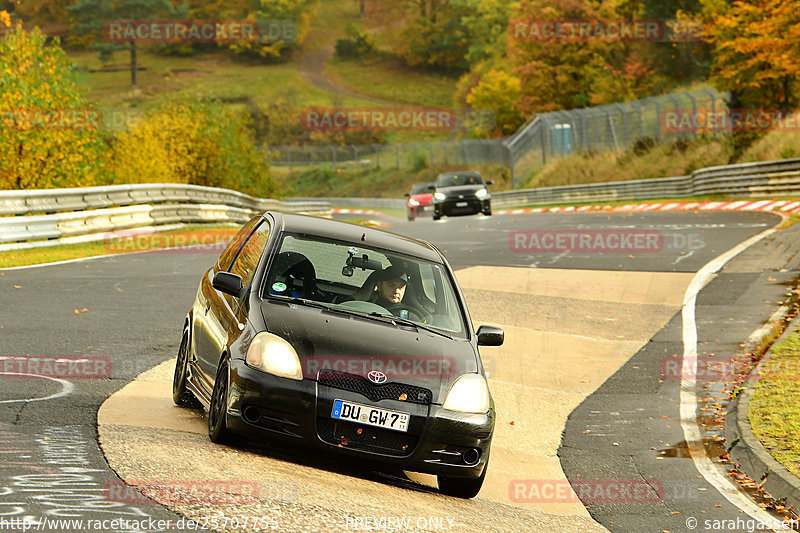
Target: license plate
(371,416)
(462,204)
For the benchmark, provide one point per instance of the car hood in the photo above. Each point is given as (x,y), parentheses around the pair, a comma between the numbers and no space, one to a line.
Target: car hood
(352,344)
(423,198)
(466,190)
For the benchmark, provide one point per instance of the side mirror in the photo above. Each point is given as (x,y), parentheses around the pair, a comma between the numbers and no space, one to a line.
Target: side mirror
(227,283)
(406,195)
(431,187)
(490,336)
(489,182)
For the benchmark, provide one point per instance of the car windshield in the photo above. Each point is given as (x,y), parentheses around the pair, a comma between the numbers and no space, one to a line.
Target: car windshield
(421,188)
(354,278)
(455,180)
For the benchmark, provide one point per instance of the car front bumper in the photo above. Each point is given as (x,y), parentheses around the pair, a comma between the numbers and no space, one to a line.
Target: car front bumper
(467,206)
(438,441)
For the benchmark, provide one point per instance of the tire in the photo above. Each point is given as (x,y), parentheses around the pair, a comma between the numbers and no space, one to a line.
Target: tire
(410,217)
(488,213)
(217,428)
(462,487)
(181,395)
(436,217)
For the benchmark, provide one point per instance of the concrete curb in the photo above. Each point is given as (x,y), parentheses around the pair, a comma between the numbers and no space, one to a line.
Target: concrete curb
(747,452)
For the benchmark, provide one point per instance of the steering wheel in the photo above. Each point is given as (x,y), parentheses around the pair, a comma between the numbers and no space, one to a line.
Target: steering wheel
(414,312)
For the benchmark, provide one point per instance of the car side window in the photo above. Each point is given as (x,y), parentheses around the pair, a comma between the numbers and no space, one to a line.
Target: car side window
(235,245)
(247,261)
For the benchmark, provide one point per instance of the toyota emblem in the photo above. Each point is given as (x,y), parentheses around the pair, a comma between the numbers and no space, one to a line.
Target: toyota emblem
(377,377)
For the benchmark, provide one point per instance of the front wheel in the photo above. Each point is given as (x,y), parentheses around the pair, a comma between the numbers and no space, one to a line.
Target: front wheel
(181,395)
(462,487)
(217,427)
(436,217)
(488,213)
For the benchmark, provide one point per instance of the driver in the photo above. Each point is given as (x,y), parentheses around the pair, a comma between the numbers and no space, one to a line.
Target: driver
(391,286)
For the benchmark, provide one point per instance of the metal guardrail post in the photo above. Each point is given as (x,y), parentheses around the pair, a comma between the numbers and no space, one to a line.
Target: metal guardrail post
(713,99)
(694,112)
(677,114)
(510,164)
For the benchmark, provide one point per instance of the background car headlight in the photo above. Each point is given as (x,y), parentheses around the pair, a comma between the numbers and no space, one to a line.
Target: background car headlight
(272,354)
(469,394)
(439,196)
(411,201)
(481,193)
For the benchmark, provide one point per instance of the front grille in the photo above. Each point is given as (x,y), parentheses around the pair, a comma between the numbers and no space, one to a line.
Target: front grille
(371,439)
(385,391)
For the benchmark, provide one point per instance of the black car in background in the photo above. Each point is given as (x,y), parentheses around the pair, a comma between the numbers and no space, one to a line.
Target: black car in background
(291,338)
(461,193)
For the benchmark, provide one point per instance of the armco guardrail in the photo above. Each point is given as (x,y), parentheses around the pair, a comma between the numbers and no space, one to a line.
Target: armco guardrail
(55,216)
(768,178)
(386,203)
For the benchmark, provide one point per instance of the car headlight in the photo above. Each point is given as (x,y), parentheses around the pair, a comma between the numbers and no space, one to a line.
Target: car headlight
(439,195)
(411,201)
(469,394)
(481,193)
(272,354)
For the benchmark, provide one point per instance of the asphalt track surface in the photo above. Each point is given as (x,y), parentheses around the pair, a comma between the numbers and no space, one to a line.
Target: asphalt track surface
(124,314)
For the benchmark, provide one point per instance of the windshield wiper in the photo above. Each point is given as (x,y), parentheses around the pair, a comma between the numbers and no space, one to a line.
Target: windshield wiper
(406,322)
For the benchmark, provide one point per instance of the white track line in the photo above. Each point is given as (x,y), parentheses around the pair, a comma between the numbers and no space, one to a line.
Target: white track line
(691,431)
(66,388)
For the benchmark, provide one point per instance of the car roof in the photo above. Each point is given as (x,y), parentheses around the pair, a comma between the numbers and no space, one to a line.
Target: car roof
(459,173)
(345,231)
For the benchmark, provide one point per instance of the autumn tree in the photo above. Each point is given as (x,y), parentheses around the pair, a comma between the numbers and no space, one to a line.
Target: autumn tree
(755,49)
(756,45)
(283,24)
(560,73)
(48,137)
(92,15)
(499,92)
(680,58)
(435,35)
(194,142)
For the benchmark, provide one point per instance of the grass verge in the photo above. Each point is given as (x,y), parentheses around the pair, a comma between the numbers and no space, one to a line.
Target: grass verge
(211,240)
(775,405)
(387,78)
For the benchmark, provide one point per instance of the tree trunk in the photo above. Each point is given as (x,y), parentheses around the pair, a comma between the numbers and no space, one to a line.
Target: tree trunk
(133,64)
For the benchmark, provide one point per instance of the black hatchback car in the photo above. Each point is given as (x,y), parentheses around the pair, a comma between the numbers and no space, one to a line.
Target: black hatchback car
(344,338)
(461,193)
